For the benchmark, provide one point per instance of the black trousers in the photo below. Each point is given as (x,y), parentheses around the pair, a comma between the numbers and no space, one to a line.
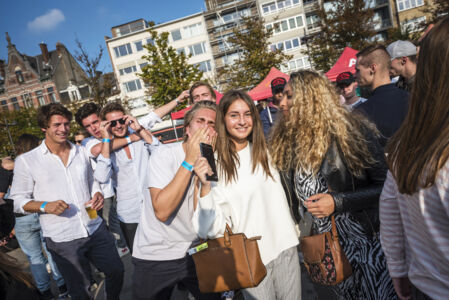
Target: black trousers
(129,232)
(73,258)
(155,280)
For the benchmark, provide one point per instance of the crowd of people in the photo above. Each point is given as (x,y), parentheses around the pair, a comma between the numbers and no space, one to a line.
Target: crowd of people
(375,162)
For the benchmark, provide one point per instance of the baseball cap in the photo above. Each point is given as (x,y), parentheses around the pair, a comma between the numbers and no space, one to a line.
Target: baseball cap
(277,85)
(345,78)
(400,49)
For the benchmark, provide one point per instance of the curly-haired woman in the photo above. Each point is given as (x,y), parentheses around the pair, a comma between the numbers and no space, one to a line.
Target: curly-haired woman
(336,167)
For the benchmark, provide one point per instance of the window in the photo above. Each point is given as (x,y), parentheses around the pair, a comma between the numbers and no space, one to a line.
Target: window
(139,46)
(27,101)
(132,85)
(296,64)
(286,24)
(286,45)
(4,105)
(142,65)
(192,30)
(51,94)
(232,17)
(313,21)
(197,49)
(150,41)
(408,4)
(123,50)
(176,35)
(275,6)
(230,59)
(413,24)
(205,66)
(181,50)
(15,104)
(19,76)
(127,70)
(40,97)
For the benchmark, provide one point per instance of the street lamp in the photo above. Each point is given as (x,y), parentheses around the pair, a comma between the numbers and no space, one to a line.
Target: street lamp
(7,125)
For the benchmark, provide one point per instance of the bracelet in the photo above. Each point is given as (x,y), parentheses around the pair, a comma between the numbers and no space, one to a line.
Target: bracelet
(42,208)
(187,166)
(128,139)
(106,140)
(177,101)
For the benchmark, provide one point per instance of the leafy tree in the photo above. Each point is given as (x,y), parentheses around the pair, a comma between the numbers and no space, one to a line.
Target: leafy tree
(255,58)
(436,10)
(168,72)
(21,121)
(403,34)
(345,23)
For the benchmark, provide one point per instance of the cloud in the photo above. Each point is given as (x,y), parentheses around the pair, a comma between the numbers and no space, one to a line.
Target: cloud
(47,21)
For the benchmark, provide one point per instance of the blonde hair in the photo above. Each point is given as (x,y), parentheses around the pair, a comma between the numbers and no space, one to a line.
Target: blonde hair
(316,120)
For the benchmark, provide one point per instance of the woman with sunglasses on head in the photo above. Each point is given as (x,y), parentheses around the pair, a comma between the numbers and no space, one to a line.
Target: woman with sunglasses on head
(249,198)
(335,167)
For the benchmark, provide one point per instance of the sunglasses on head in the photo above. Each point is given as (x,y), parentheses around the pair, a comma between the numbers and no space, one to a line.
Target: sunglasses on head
(114,122)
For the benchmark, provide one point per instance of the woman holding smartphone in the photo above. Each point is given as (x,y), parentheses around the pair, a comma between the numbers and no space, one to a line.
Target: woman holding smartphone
(249,198)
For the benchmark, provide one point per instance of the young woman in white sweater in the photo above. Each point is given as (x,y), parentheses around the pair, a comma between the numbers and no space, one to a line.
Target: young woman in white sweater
(250,198)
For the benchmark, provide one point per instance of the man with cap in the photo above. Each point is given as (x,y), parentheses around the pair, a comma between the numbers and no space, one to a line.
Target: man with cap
(347,87)
(403,63)
(268,115)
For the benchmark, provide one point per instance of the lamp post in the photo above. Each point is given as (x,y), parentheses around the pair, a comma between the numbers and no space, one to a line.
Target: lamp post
(7,125)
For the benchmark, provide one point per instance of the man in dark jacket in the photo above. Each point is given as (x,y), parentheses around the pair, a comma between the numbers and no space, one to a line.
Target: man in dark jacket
(269,114)
(387,106)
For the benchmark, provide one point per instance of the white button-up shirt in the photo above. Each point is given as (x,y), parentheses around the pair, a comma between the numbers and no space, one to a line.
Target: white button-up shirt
(41,175)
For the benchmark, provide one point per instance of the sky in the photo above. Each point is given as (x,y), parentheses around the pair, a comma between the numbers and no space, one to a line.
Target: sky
(30,22)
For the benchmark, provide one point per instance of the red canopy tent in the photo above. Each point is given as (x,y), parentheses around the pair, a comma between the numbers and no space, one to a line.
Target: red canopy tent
(263,89)
(346,63)
(180,113)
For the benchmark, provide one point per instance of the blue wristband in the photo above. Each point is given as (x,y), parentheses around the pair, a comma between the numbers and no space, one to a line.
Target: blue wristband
(106,140)
(187,166)
(42,208)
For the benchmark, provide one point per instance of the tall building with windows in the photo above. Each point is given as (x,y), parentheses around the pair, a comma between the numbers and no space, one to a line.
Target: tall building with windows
(125,47)
(290,20)
(32,81)
(409,14)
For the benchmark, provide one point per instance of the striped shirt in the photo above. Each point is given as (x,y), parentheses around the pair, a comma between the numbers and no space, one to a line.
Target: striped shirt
(415,234)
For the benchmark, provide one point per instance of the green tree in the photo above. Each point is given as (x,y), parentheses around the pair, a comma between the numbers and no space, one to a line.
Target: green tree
(168,72)
(436,9)
(345,23)
(403,34)
(255,57)
(22,121)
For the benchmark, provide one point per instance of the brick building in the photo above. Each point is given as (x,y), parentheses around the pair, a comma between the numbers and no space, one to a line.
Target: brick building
(31,81)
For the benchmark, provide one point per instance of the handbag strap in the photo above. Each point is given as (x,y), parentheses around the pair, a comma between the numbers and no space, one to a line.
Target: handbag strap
(334,228)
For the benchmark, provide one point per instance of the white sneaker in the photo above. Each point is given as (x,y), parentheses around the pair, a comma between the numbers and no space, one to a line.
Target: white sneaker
(122,251)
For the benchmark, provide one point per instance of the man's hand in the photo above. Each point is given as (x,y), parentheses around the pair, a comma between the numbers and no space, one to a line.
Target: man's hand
(403,288)
(320,205)
(183,96)
(56,207)
(133,123)
(97,201)
(105,127)
(202,135)
(201,168)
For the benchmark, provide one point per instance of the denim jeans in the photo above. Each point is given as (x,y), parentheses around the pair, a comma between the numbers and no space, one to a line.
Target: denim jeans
(29,235)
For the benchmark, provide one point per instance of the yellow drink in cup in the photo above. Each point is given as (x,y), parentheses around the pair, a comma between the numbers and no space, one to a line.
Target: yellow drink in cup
(91,212)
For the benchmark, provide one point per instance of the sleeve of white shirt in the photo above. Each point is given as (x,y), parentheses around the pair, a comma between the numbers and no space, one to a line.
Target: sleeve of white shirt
(22,185)
(391,229)
(89,143)
(212,214)
(103,171)
(149,120)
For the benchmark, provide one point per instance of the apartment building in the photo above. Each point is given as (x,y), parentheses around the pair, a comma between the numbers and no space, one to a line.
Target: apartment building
(409,14)
(222,17)
(290,21)
(125,47)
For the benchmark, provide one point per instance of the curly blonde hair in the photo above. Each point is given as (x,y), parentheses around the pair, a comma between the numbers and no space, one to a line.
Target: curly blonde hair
(301,139)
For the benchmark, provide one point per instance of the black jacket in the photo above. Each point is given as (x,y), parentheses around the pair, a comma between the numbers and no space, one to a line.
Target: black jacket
(357,195)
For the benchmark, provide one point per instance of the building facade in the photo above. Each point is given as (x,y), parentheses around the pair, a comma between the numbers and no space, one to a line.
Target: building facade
(32,81)
(125,49)
(409,14)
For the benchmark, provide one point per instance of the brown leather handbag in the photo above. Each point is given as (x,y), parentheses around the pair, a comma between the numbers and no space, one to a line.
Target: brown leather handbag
(324,258)
(228,263)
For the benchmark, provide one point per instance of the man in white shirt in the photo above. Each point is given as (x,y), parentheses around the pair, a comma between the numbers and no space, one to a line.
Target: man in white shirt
(165,231)
(127,167)
(56,179)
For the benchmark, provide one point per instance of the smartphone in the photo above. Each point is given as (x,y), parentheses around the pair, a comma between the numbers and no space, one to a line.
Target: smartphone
(208,153)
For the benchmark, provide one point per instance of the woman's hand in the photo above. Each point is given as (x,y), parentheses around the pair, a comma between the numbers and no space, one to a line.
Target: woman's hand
(320,205)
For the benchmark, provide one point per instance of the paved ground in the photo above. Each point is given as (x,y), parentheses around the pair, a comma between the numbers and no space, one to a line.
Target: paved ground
(309,290)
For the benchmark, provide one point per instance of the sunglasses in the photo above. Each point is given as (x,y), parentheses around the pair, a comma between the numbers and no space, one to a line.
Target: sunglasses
(78,141)
(114,122)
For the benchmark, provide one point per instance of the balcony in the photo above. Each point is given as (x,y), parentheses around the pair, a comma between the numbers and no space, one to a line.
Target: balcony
(310,5)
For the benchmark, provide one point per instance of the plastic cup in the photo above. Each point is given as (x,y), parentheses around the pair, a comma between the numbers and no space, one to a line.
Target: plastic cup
(91,212)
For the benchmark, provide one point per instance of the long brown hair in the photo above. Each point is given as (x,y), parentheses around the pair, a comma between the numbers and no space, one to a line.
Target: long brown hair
(225,147)
(316,119)
(420,147)
(10,268)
